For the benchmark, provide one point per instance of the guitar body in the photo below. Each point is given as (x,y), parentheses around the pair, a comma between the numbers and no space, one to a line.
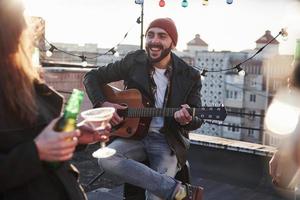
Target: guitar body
(134,128)
(137,117)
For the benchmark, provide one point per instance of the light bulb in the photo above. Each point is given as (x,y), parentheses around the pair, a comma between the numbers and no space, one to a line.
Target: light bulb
(203,74)
(242,73)
(162,3)
(202,78)
(229,1)
(116,54)
(49,53)
(205,2)
(84,63)
(284,34)
(184,3)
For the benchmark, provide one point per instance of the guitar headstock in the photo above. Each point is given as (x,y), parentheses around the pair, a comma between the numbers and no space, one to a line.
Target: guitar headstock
(212,113)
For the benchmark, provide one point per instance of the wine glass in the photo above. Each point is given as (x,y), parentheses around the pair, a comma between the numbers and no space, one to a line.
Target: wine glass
(97,119)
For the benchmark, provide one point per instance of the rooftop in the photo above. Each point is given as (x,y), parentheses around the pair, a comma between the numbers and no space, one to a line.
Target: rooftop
(266,38)
(227,169)
(197,41)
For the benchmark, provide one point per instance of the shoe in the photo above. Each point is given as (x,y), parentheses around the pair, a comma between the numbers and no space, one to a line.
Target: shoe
(193,192)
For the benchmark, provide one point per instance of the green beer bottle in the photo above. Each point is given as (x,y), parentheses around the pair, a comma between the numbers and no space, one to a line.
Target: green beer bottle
(297,51)
(68,121)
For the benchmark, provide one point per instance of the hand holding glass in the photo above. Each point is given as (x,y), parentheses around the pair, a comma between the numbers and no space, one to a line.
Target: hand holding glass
(97,119)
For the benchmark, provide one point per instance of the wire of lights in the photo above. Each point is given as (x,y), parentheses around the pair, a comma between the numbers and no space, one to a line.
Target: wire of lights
(184,3)
(84,58)
(238,67)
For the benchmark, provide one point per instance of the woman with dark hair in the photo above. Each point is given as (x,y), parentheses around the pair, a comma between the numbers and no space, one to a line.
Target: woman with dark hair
(28,112)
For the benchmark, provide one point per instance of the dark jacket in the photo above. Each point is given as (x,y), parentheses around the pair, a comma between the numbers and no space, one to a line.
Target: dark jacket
(22,174)
(134,70)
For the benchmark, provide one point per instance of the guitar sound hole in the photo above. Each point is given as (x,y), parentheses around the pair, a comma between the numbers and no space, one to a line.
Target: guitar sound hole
(129,130)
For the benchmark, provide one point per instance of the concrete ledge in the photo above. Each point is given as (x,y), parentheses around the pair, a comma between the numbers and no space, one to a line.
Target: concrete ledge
(232,145)
(67,69)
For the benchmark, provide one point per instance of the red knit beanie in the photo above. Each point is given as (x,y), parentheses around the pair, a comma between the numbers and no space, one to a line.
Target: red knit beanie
(168,25)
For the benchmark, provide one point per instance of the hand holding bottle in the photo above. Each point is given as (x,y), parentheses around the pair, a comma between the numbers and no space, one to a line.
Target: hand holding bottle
(56,146)
(58,140)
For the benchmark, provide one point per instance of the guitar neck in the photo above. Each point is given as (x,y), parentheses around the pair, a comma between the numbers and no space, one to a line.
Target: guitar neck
(151,112)
(212,113)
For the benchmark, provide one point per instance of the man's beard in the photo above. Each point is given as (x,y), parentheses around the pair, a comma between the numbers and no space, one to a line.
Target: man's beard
(163,53)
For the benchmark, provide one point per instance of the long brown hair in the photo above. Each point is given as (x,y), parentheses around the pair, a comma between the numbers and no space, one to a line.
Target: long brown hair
(17,75)
(296,74)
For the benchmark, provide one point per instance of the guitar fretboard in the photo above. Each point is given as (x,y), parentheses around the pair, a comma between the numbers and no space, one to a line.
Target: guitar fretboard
(151,112)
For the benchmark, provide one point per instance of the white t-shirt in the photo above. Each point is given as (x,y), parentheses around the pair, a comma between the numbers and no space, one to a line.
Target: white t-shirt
(161,82)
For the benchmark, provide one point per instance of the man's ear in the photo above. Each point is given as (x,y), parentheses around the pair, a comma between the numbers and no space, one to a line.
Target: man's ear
(173,45)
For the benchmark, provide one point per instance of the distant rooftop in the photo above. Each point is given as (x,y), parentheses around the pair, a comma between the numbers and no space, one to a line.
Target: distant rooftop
(197,41)
(266,38)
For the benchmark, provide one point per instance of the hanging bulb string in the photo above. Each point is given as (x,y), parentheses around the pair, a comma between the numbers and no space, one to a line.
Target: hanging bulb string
(238,66)
(112,50)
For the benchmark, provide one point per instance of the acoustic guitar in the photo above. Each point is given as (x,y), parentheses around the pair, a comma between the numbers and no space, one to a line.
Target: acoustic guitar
(138,114)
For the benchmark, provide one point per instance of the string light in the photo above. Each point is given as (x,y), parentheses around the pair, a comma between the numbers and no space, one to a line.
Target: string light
(139,2)
(203,74)
(238,67)
(112,50)
(49,53)
(205,2)
(84,62)
(117,54)
(240,71)
(162,3)
(83,58)
(229,1)
(284,34)
(184,3)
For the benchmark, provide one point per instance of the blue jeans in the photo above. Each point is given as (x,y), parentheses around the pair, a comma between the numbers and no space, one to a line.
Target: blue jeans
(158,178)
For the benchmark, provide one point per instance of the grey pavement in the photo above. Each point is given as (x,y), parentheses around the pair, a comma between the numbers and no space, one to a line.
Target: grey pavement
(106,194)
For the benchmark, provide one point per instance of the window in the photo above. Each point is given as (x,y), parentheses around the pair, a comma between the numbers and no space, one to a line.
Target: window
(233,127)
(252,98)
(250,132)
(235,94)
(232,94)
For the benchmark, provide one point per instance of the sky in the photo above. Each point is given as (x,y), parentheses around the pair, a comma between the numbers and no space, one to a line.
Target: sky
(233,27)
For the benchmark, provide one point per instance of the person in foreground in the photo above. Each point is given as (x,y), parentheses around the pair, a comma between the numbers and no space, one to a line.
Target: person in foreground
(164,80)
(28,111)
(284,166)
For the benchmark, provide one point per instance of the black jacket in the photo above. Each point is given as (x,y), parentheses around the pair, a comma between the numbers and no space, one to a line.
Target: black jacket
(22,174)
(134,70)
